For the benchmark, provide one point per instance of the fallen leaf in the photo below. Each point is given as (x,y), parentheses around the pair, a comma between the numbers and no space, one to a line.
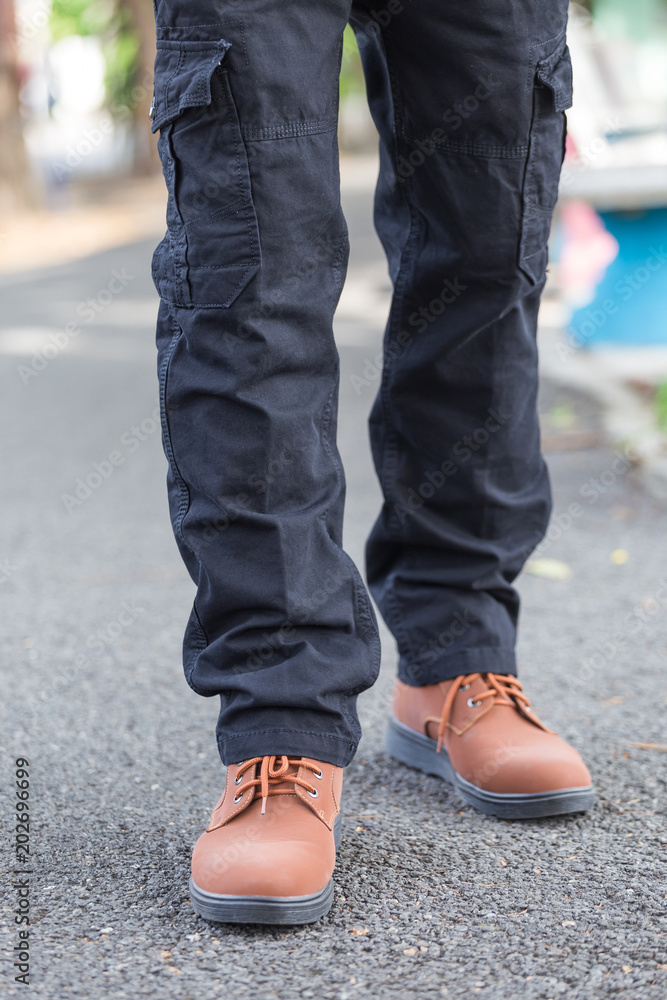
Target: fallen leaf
(410,951)
(661,966)
(626,968)
(360,930)
(548,569)
(503,863)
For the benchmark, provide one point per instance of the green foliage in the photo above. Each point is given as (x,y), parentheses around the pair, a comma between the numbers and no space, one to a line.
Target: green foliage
(121,54)
(351,73)
(660,404)
(111,22)
(79,17)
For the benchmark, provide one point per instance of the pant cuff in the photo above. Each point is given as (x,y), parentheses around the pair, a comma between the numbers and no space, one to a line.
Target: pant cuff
(328,749)
(486,659)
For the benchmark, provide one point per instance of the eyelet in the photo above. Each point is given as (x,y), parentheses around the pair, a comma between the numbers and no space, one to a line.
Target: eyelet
(314,793)
(527,708)
(464,687)
(237,798)
(319,776)
(473,704)
(238,779)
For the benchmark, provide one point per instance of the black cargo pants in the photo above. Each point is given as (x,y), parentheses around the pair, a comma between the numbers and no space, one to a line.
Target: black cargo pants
(468,97)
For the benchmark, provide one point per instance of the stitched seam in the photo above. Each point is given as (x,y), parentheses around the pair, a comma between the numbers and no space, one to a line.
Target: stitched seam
(365,622)
(185,493)
(222,25)
(474,149)
(176,236)
(531,209)
(184,504)
(220,305)
(333,795)
(326,426)
(240,808)
(390,455)
(241,28)
(220,213)
(534,62)
(470,722)
(222,267)
(188,27)
(289,129)
(203,643)
(231,110)
(294,732)
(243,201)
(200,95)
(169,82)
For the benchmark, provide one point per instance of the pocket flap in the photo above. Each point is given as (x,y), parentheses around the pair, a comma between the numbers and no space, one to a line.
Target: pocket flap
(183,71)
(556,73)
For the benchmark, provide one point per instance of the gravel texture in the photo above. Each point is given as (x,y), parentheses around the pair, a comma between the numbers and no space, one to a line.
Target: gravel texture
(432,899)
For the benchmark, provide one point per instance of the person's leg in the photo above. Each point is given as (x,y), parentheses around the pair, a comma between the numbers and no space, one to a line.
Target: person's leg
(246,102)
(468,98)
(454,91)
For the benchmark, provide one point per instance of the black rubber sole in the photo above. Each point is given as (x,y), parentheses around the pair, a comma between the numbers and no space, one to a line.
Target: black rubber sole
(225,909)
(415,750)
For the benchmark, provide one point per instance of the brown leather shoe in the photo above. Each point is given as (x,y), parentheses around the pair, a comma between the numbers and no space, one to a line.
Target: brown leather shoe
(479,733)
(268,854)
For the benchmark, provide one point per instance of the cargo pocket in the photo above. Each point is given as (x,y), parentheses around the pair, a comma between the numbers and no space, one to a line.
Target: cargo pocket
(211,249)
(552,94)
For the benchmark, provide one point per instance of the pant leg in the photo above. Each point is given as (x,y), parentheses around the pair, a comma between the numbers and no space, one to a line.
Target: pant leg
(468,98)
(249,274)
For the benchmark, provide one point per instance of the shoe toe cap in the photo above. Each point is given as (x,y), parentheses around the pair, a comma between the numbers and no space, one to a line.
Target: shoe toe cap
(228,866)
(550,765)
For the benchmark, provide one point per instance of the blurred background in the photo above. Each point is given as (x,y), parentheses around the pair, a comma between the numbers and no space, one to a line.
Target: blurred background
(79,169)
(94,597)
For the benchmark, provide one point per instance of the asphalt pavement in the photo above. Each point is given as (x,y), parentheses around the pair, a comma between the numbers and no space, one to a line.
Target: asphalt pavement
(432,899)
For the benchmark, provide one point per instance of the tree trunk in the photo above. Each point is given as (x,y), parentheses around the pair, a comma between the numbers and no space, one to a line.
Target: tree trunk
(146,160)
(18,187)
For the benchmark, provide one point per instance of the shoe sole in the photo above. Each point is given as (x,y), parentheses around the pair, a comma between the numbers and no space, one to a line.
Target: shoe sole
(415,750)
(227,909)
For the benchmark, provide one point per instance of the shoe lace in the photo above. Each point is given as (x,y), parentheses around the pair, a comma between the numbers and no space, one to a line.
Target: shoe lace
(274,774)
(504,689)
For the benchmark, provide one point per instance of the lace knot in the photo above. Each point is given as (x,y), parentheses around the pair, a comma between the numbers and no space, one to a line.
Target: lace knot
(503,689)
(275,773)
